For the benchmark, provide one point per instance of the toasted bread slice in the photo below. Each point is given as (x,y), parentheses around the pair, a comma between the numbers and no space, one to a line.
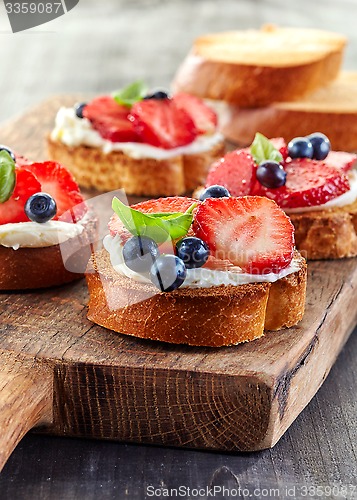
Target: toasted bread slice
(215,316)
(141,177)
(331,110)
(255,68)
(31,268)
(327,234)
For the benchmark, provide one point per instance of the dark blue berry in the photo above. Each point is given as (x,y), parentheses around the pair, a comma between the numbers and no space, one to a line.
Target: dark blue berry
(79,108)
(194,252)
(215,191)
(40,207)
(300,147)
(271,174)
(5,148)
(168,273)
(139,253)
(159,94)
(321,145)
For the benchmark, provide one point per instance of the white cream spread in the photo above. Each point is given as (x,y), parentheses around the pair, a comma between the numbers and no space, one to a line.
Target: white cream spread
(345,199)
(196,278)
(34,235)
(73,131)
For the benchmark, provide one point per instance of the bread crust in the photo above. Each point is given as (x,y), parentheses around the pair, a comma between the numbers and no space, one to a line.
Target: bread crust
(327,234)
(215,316)
(32,268)
(331,110)
(141,177)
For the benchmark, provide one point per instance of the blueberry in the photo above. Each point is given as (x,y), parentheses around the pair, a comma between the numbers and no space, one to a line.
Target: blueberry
(40,207)
(271,174)
(159,94)
(214,191)
(321,145)
(168,273)
(194,252)
(5,148)
(79,108)
(139,253)
(300,147)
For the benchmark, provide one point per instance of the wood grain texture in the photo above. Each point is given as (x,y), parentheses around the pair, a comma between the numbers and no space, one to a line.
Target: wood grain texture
(110,386)
(25,399)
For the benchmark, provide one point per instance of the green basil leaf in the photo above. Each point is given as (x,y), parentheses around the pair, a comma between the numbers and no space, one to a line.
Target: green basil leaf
(131,94)
(7,176)
(158,226)
(262,149)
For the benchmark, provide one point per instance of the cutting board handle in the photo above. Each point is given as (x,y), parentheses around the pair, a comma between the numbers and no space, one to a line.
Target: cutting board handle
(25,400)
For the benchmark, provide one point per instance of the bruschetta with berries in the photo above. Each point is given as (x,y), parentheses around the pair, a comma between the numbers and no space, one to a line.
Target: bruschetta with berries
(315,186)
(148,144)
(211,273)
(46,229)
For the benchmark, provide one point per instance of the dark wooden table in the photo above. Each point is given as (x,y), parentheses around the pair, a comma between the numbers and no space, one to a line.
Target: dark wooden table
(100,46)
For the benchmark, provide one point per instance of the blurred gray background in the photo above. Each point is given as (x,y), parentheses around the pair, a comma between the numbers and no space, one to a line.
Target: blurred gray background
(102,45)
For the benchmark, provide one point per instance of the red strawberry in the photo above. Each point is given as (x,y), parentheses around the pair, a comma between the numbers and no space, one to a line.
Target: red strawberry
(110,119)
(161,205)
(161,123)
(204,118)
(309,183)
(59,183)
(235,171)
(340,159)
(13,209)
(251,232)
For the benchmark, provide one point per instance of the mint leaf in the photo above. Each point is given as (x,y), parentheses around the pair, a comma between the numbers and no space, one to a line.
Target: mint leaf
(131,94)
(158,226)
(262,149)
(7,176)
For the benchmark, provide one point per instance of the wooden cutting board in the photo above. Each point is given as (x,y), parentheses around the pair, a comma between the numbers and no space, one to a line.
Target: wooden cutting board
(63,375)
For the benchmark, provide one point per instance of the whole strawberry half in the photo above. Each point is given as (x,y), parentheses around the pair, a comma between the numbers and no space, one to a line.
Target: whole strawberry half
(308,183)
(57,181)
(110,119)
(161,123)
(13,209)
(204,118)
(235,171)
(160,205)
(251,232)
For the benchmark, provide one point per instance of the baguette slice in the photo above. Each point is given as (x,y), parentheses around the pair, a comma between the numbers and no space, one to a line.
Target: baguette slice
(331,110)
(141,177)
(255,68)
(31,268)
(215,316)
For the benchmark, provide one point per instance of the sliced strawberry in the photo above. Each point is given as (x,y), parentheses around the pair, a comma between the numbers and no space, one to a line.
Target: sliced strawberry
(161,123)
(235,171)
(57,181)
(161,205)
(13,209)
(110,119)
(308,183)
(204,118)
(251,232)
(342,160)
(21,161)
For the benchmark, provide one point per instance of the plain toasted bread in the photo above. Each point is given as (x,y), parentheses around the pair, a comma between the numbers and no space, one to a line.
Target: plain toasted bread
(331,110)
(31,268)
(215,316)
(141,177)
(254,68)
